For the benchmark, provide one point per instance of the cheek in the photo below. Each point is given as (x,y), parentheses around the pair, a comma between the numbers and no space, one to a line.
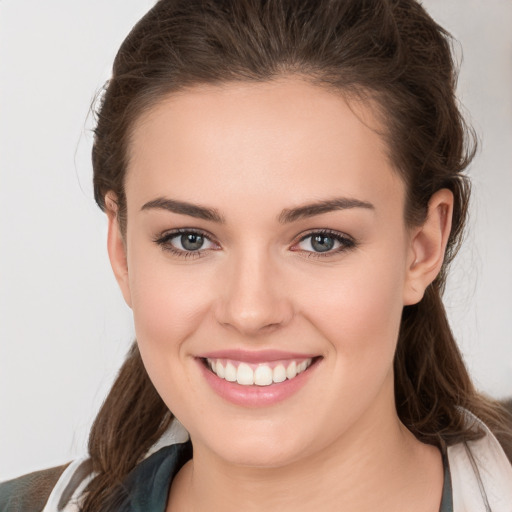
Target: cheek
(169,303)
(168,300)
(358,307)
(358,312)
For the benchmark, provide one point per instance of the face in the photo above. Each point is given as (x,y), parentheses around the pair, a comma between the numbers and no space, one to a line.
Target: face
(266,240)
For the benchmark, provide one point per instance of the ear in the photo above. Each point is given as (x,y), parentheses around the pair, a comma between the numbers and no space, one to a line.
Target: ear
(116,247)
(427,246)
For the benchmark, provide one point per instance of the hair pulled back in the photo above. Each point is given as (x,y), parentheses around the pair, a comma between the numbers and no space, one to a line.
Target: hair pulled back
(389,52)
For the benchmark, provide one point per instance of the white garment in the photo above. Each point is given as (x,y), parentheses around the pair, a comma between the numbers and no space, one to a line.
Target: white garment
(176,433)
(480,471)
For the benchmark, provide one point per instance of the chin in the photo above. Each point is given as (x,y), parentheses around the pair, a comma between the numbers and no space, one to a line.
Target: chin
(255,447)
(257,455)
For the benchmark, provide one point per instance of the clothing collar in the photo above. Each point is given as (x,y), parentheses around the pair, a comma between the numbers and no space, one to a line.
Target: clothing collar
(481,474)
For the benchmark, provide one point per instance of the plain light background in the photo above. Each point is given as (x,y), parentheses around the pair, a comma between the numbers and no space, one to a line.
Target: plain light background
(64,328)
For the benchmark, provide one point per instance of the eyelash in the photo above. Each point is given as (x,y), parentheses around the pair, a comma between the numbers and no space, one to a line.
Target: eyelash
(164,240)
(346,243)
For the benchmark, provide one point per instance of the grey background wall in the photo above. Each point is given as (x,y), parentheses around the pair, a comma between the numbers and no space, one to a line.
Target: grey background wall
(64,328)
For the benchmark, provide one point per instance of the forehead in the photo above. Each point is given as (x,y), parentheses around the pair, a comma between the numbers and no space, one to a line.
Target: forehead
(286,139)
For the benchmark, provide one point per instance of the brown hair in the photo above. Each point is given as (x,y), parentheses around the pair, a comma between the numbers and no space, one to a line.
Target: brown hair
(389,51)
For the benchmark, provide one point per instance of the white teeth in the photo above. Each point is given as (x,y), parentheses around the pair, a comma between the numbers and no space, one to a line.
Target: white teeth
(230,373)
(262,375)
(279,373)
(245,375)
(291,371)
(219,370)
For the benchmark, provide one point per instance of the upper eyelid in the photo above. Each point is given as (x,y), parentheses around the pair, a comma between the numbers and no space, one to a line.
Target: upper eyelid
(346,242)
(332,232)
(163,240)
(301,236)
(171,233)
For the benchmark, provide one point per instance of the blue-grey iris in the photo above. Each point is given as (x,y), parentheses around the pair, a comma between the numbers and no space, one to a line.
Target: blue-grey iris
(322,243)
(192,241)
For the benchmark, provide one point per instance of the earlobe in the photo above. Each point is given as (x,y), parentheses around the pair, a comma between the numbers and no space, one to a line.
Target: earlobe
(116,247)
(428,245)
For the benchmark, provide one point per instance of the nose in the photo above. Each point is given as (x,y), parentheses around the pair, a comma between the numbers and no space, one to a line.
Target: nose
(253,296)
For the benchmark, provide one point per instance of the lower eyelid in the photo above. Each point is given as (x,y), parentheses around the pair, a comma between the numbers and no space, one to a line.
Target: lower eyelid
(205,238)
(164,241)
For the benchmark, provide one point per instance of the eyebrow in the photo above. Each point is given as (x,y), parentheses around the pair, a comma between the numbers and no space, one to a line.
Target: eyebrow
(184,208)
(288,215)
(317,208)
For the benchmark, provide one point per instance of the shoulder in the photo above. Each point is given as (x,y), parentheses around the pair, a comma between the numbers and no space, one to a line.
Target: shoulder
(481,472)
(29,493)
(49,490)
(61,488)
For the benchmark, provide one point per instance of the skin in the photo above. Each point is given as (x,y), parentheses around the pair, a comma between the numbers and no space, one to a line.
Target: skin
(250,151)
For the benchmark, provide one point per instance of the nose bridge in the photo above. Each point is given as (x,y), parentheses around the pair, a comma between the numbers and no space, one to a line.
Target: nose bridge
(253,297)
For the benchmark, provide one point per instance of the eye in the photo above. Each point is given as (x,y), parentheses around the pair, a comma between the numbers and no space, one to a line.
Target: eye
(185,243)
(325,243)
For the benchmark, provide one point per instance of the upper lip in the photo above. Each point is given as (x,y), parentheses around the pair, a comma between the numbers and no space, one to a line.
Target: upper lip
(257,356)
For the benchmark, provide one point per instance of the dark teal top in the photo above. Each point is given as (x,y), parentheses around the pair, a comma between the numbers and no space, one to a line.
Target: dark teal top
(447,499)
(147,486)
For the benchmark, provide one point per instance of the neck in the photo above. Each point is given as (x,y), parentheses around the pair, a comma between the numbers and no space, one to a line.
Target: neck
(377,465)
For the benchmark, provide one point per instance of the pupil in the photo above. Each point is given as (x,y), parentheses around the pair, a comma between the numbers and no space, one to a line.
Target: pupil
(191,241)
(322,243)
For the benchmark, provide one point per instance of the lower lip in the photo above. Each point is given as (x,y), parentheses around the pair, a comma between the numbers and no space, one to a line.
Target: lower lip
(256,396)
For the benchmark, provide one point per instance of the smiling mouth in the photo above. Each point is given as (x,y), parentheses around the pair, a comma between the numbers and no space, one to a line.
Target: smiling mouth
(261,374)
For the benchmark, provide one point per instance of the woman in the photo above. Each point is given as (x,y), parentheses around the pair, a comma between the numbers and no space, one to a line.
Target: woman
(284,192)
